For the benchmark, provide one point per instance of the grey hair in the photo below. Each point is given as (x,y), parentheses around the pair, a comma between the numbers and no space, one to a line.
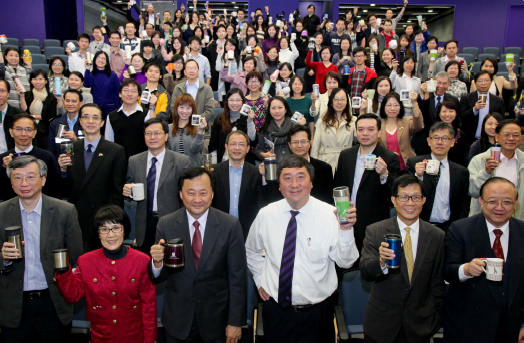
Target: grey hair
(23,161)
(240,133)
(443,74)
(440,125)
(294,161)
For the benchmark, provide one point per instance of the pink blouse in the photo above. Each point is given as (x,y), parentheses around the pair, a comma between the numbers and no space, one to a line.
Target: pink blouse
(392,143)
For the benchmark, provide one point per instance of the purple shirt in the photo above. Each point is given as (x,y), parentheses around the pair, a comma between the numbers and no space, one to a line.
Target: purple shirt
(140,77)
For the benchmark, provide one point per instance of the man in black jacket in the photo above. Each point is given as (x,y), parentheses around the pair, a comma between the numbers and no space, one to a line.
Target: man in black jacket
(211,53)
(6,114)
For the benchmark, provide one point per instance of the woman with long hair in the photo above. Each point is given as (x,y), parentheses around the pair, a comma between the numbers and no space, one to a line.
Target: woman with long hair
(138,62)
(260,26)
(285,72)
(179,18)
(104,83)
(499,83)
(238,80)
(231,120)
(382,87)
(406,80)
(351,31)
(192,23)
(335,131)
(448,112)
(255,99)
(288,51)
(234,66)
(39,103)
(176,48)
(270,63)
(343,57)
(184,137)
(57,68)
(14,68)
(175,76)
(271,38)
(487,135)
(388,64)
(321,68)
(404,47)
(309,74)
(300,102)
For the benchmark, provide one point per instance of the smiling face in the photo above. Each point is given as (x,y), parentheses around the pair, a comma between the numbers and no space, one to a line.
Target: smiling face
(488,66)
(39,82)
(75,82)
(483,83)
(392,107)
(138,63)
(197,195)
(453,71)
(185,111)
(409,211)
(409,30)
(284,44)
(129,94)
(297,86)
(387,56)
(13,58)
(447,115)
(254,84)
(272,54)
(409,65)
(237,147)
(295,186)
(57,67)
(300,144)
(490,126)
(91,120)
(509,137)
(101,61)
(191,70)
(331,83)
(111,240)
(326,55)
(432,44)
(318,39)
(285,72)
(277,110)
(72,103)
(383,88)
(235,102)
(340,102)
(272,31)
(27,182)
(22,138)
(114,40)
(153,74)
(97,34)
(439,148)
(501,192)
(249,66)
(155,137)
(442,85)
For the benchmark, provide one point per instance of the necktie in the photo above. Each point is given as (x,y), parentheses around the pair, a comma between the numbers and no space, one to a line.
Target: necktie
(437,104)
(197,243)
(439,171)
(88,156)
(151,177)
(497,247)
(408,252)
(288,262)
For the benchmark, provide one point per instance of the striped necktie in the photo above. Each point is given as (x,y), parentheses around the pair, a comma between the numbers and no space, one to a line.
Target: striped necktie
(288,263)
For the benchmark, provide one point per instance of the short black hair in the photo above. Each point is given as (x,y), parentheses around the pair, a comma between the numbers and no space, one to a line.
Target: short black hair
(194,38)
(430,38)
(130,82)
(154,64)
(440,125)
(96,27)
(406,180)
(77,73)
(111,214)
(451,41)
(370,116)
(92,105)
(193,172)
(309,6)
(359,49)
(75,91)
(389,20)
(191,60)
(155,120)
(296,129)
(23,115)
(294,161)
(495,179)
(505,122)
(7,85)
(115,33)
(480,73)
(83,35)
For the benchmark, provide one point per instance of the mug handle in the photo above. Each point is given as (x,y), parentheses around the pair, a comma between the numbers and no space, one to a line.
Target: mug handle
(485,260)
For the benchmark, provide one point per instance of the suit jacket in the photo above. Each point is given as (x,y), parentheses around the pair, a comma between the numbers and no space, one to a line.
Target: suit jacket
(58,229)
(101,185)
(394,303)
(52,185)
(8,122)
(373,198)
(168,200)
(501,83)
(406,127)
(429,113)
(470,121)
(459,199)
(52,146)
(249,200)
(472,309)
(219,281)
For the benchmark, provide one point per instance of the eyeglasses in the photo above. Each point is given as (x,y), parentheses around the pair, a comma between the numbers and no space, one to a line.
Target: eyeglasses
(235,144)
(115,229)
(493,203)
(392,105)
(154,134)
(444,139)
(129,91)
(254,82)
(359,56)
(30,178)
(340,100)
(297,84)
(19,129)
(405,198)
(302,142)
(2,91)
(101,59)
(178,62)
(192,68)
(509,135)
(57,64)
(484,80)
(93,117)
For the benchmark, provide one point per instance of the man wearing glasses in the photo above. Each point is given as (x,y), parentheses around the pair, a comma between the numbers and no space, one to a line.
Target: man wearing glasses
(476,309)
(447,190)
(158,169)
(204,74)
(95,175)
(484,166)
(361,77)
(211,53)
(405,302)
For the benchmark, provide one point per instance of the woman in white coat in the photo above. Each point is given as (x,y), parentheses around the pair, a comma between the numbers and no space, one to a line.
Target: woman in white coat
(406,80)
(288,51)
(335,131)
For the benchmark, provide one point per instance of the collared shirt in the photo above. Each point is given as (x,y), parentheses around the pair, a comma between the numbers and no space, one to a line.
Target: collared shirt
(28,150)
(446,58)
(413,232)
(34,277)
(133,43)
(359,171)
(204,69)
(508,168)
(116,60)
(193,90)
(71,123)
(159,162)
(94,47)
(76,62)
(409,81)
(235,179)
(504,242)
(93,143)
(3,143)
(314,275)
(441,209)
(110,134)
(151,19)
(482,113)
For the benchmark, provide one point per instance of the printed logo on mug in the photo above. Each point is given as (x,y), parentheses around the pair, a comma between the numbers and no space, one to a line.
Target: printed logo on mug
(137,192)
(432,85)
(369,161)
(432,166)
(494,268)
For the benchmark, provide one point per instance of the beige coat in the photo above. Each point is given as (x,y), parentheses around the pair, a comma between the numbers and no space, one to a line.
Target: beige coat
(500,83)
(406,127)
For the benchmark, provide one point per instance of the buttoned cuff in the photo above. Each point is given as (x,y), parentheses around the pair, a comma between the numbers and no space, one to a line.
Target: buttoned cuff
(156,271)
(383,180)
(385,269)
(346,236)
(8,264)
(462,276)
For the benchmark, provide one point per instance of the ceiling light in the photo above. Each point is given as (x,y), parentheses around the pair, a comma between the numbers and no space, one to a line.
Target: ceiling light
(404,25)
(365,11)
(372,5)
(430,11)
(409,21)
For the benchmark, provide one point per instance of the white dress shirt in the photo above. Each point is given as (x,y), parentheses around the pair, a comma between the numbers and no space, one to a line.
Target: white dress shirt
(193,90)
(27,151)
(414,233)
(319,242)
(110,134)
(482,113)
(3,143)
(504,241)
(509,168)
(76,62)
(441,210)
(159,162)
(409,82)
(359,171)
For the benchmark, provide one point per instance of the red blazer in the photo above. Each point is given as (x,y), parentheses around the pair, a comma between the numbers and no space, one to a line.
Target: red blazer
(120,297)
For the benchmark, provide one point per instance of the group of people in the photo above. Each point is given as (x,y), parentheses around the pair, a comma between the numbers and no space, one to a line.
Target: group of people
(138,112)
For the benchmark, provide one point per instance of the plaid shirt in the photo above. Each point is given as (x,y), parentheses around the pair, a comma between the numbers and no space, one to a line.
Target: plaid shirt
(357,83)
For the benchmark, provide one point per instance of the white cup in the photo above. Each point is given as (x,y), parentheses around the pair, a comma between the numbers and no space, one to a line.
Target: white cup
(432,85)
(404,95)
(230,55)
(195,120)
(248,49)
(432,167)
(355,102)
(433,54)
(374,47)
(137,192)
(369,161)
(206,38)
(71,46)
(494,268)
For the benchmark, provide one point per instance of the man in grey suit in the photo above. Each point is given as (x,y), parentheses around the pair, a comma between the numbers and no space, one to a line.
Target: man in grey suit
(404,305)
(29,298)
(160,177)
(206,299)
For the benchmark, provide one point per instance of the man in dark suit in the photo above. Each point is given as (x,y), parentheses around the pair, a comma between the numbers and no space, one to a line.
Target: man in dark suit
(238,184)
(404,305)
(161,177)
(473,109)
(6,114)
(475,309)
(215,267)
(429,105)
(68,109)
(29,298)
(447,192)
(369,189)
(22,132)
(97,175)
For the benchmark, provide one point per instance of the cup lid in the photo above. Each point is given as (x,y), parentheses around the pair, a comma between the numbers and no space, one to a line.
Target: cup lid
(12,231)
(176,241)
(392,236)
(56,251)
(270,159)
(340,192)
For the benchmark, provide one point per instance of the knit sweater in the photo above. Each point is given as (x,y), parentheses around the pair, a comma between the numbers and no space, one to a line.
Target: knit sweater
(104,89)
(266,43)
(287,55)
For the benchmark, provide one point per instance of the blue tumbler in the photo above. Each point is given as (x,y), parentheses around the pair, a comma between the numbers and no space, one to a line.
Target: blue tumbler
(395,243)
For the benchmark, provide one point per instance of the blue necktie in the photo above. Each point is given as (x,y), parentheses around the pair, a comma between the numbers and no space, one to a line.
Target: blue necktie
(288,263)
(88,156)
(151,177)
(437,104)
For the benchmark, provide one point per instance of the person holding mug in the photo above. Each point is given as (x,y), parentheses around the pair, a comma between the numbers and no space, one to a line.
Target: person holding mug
(120,297)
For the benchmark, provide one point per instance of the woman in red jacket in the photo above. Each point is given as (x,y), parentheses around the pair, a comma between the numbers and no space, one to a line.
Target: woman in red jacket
(120,298)
(322,68)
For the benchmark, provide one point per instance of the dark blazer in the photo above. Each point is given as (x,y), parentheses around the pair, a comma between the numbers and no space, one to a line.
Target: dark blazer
(58,229)
(459,199)
(470,121)
(101,185)
(472,309)
(217,291)
(429,114)
(52,184)
(373,198)
(249,201)
(48,114)
(394,303)
(217,142)
(8,122)
(168,200)
(52,146)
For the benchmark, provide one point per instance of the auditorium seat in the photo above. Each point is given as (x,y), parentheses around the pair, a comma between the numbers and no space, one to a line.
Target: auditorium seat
(12,41)
(51,42)
(503,73)
(471,50)
(517,50)
(483,56)
(53,50)
(31,41)
(469,58)
(300,71)
(492,50)
(38,59)
(64,57)
(476,67)
(517,58)
(70,40)
(5,46)
(32,49)
(44,67)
